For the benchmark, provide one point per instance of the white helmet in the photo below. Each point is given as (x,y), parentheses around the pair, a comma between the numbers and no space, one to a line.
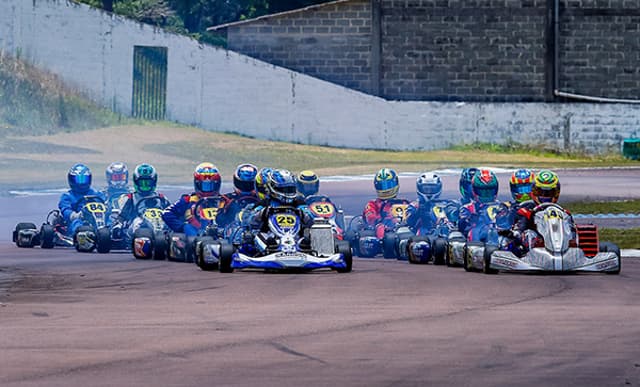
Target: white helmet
(429,186)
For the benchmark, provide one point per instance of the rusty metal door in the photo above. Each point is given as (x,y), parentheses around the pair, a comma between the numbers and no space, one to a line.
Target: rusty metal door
(149,82)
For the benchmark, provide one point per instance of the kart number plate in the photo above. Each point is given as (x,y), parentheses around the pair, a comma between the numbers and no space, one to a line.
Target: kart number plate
(96,208)
(209,213)
(399,211)
(153,213)
(322,209)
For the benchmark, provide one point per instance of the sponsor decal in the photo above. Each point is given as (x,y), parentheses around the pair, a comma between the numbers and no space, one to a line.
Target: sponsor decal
(504,262)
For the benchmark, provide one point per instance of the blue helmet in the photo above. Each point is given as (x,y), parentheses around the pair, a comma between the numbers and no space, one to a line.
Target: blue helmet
(281,186)
(386,183)
(308,183)
(79,178)
(466,177)
(428,186)
(244,179)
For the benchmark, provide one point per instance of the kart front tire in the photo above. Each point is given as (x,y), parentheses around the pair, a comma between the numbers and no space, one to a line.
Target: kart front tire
(486,267)
(103,240)
(389,245)
(160,246)
(47,236)
(440,247)
(226,257)
(79,248)
(610,247)
(345,250)
(200,262)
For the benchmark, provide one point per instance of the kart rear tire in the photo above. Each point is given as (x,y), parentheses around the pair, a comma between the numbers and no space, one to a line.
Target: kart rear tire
(486,267)
(47,235)
(389,245)
(160,246)
(142,233)
(345,249)
(440,247)
(23,226)
(226,257)
(103,240)
(365,254)
(610,247)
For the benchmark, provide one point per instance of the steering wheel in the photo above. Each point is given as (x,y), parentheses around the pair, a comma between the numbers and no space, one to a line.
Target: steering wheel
(150,202)
(546,205)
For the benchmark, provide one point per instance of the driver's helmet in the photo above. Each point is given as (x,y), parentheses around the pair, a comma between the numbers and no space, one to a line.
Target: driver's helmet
(79,178)
(207,180)
(521,184)
(428,186)
(484,186)
(466,177)
(308,183)
(546,187)
(261,182)
(117,176)
(145,179)
(244,178)
(281,186)
(386,183)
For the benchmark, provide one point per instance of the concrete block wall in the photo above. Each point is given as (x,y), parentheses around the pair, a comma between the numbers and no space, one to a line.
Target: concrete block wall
(331,43)
(222,90)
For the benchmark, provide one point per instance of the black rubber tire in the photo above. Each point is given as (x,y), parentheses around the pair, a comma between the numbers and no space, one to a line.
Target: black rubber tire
(363,234)
(142,233)
(467,263)
(199,259)
(610,247)
(47,236)
(103,240)
(439,249)
(183,238)
(488,250)
(226,255)
(344,248)
(389,242)
(75,242)
(160,246)
(23,226)
(351,237)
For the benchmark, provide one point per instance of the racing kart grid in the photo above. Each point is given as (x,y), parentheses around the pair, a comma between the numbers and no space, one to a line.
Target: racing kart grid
(557,245)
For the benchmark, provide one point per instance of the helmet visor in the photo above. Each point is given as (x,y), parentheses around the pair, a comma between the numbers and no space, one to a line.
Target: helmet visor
(288,190)
(521,189)
(545,195)
(146,185)
(118,177)
(384,185)
(207,185)
(82,179)
(485,194)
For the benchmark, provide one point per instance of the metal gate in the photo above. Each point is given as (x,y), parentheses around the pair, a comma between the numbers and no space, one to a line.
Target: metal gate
(149,82)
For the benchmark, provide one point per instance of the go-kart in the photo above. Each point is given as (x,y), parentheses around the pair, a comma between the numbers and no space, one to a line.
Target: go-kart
(205,213)
(557,245)
(469,251)
(281,247)
(321,207)
(150,232)
(52,233)
(431,245)
(365,242)
(95,232)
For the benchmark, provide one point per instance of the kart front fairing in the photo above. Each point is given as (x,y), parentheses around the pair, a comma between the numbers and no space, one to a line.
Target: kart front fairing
(292,260)
(557,229)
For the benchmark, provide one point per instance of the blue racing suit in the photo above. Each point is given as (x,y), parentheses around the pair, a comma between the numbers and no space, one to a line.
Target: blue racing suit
(180,216)
(72,202)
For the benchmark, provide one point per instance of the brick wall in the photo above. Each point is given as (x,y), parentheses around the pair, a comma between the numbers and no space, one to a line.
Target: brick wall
(474,50)
(332,43)
(457,50)
(600,48)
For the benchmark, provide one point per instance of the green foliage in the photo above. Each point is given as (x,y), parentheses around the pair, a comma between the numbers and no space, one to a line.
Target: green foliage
(37,103)
(511,147)
(608,207)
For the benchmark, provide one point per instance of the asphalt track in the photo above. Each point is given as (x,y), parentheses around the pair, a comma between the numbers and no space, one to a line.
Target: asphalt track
(71,319)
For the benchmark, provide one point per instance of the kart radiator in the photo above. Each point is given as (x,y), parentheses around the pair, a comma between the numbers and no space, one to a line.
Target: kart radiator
(587,239)
(322,238)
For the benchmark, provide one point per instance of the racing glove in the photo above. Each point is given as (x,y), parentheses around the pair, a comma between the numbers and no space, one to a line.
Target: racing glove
(75,215)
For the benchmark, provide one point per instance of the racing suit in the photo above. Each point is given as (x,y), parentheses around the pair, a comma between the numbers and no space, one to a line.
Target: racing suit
(423,216)
(70,206)
(475,219)
(181,217)
(385,214)
(238,202)
(128,216)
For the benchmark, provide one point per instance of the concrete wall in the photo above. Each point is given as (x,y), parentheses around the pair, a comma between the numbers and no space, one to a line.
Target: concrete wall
(225,91)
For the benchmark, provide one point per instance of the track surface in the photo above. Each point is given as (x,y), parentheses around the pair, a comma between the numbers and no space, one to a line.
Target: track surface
(71,319)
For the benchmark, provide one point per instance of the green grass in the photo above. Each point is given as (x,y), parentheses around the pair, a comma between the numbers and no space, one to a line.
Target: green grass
(609,207)
(625,238)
